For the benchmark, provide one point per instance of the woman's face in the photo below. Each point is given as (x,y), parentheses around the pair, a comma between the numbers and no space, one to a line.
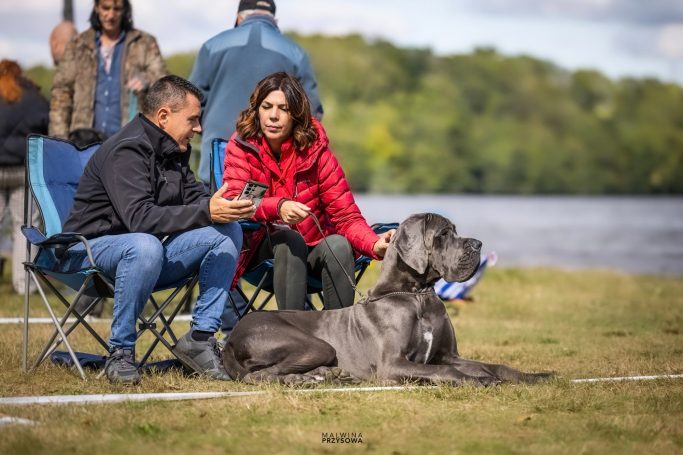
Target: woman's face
(110,13)
(276,122)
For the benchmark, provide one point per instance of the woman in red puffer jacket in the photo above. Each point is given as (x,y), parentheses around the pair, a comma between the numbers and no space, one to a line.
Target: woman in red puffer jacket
(278,143)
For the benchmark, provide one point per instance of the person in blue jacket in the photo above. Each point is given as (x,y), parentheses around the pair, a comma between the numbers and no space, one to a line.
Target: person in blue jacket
(230,64)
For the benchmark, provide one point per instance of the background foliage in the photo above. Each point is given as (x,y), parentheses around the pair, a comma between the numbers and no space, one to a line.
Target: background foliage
(408,121)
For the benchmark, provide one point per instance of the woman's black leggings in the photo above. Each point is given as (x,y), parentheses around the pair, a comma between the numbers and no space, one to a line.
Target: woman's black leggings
(293,262)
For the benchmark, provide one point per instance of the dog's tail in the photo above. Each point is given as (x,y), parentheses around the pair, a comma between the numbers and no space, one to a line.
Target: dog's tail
(232,366)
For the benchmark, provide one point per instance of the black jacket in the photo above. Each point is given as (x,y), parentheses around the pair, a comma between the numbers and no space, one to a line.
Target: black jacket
(17,120)
(138,181)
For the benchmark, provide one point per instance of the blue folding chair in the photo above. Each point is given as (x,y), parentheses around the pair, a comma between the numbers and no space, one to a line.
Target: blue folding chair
(261,276)
(54,168)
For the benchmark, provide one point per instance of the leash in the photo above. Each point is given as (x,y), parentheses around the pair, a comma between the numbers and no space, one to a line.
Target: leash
(351,280)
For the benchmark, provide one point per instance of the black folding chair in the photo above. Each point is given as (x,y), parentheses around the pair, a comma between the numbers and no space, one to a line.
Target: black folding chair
(54,168)
(261,276)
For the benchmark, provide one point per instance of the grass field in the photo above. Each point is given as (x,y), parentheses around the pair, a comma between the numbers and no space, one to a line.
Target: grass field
(578,324)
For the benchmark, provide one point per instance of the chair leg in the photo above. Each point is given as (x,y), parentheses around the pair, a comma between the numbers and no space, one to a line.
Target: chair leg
(27,278)
(148,324)
(263,304)
(52,345)
(58,327)
(28,215)
(257,291)
(71,310)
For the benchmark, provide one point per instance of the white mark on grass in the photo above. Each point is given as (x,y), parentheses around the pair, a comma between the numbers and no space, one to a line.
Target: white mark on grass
(8,420)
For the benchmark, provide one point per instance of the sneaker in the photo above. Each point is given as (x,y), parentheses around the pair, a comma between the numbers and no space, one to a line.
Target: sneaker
(120,367)
(202,357)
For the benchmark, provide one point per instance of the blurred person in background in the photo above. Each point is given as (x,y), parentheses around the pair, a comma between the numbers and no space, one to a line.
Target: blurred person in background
(103,73)
(60,36)
(23,110)
(230,64)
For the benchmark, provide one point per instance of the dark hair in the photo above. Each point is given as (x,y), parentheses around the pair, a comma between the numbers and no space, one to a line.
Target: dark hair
(126,20)
(303,132)
(170,90)
(10,75)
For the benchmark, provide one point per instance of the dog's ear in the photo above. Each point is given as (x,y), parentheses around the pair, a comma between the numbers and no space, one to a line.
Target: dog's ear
(410,243)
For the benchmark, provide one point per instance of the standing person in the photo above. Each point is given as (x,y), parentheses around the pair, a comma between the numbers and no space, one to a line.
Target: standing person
(23,110)
(277,142)
(230,64)
(138,189)
(104,72)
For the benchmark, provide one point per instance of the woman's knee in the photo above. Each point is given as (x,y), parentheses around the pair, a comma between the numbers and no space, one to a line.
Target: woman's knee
(341,248)
(289,242)
(339,244)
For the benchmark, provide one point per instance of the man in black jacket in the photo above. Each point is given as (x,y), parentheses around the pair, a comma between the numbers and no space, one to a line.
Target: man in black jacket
(150,224)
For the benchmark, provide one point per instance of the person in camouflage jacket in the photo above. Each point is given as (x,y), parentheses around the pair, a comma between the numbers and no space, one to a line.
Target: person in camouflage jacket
(75,83)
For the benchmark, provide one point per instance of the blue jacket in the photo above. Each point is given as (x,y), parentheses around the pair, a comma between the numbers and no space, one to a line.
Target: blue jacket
(229,66)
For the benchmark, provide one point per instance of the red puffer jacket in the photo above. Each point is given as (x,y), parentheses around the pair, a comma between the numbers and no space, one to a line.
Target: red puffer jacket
(312,177)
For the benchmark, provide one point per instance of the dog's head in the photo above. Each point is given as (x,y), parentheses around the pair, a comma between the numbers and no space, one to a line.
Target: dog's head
(429,244)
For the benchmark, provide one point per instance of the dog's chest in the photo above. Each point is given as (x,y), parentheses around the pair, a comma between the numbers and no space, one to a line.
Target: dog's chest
(427,333)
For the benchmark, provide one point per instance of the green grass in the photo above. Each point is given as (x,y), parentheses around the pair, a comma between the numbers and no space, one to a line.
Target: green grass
(579,324)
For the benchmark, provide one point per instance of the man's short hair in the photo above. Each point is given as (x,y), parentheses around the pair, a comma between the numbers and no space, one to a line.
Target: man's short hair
(169,91)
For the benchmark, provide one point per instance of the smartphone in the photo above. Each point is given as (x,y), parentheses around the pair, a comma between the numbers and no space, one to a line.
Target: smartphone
(253,190)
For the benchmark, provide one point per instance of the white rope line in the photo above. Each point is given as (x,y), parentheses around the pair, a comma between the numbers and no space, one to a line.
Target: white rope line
(630,378)
(176,396)
(90,319)
(171,396)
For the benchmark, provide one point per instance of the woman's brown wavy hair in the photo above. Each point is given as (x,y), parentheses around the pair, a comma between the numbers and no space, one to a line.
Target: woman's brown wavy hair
(303,132)
(10,75)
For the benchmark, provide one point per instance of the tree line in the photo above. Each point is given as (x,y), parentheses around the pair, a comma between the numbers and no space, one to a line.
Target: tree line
(405,120)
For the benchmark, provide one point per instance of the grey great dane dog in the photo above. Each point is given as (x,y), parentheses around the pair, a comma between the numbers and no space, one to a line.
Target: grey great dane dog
(400,332)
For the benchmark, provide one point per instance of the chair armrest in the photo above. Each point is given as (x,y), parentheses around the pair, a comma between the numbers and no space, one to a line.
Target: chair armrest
(63,239)
(37,238)
(381,228)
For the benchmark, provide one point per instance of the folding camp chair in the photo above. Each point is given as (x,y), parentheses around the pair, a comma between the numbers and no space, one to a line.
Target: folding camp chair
(261,276)
(54,168)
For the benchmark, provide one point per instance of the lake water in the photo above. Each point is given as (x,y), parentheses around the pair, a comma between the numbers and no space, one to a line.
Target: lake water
(641,235)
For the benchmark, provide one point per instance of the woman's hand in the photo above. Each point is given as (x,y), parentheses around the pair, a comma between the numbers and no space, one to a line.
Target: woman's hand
(381,245)
(292,212)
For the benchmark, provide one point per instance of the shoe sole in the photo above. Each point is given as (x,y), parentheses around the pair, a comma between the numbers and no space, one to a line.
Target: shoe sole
(123,381)
(194,366)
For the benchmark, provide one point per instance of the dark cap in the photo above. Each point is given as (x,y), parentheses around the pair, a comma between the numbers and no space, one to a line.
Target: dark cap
(266,5)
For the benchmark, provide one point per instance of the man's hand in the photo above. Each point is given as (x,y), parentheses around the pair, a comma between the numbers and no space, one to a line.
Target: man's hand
(381,245)
(292,212)
(135,84)
(224,211)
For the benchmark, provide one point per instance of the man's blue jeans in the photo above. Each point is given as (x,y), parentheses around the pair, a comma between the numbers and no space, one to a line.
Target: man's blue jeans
(139,263)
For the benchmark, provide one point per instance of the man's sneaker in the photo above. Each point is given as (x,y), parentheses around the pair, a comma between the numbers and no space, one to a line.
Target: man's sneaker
(120,367)
(202,357)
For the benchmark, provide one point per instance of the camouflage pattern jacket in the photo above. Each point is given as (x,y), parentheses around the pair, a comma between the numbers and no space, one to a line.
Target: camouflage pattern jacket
(73,90)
